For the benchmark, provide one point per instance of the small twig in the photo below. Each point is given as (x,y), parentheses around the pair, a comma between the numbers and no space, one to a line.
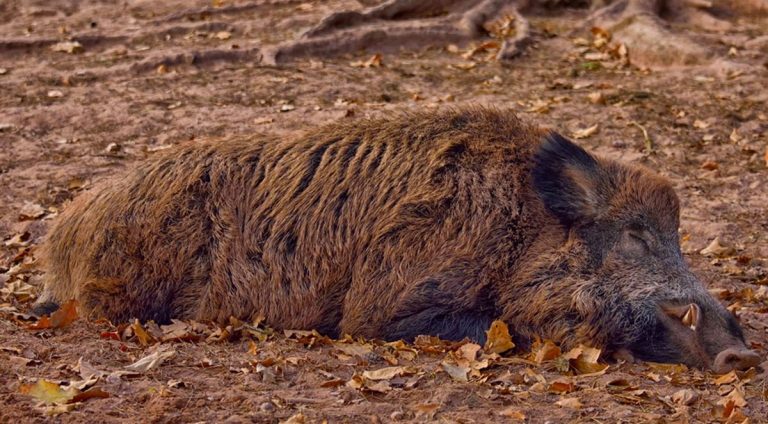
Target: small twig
(648,143)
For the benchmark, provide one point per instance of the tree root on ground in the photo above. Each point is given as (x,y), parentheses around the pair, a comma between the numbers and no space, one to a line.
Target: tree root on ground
(642,25)
(409,23)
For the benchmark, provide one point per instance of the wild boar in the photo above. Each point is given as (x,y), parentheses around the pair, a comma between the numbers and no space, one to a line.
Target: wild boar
(426,223)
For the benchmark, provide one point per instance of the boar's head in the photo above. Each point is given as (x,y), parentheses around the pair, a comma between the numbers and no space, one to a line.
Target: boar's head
(627,278)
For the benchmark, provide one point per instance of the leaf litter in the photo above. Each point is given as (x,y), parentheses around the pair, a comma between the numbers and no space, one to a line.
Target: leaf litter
(513,376)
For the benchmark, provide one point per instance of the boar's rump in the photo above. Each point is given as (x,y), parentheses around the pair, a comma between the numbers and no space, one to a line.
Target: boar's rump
(426,223)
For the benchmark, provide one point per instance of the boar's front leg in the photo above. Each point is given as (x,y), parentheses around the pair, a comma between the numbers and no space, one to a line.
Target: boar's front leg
(449,322)
(450,305)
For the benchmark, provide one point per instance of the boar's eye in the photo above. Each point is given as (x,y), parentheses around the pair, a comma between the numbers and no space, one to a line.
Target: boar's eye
(634,243)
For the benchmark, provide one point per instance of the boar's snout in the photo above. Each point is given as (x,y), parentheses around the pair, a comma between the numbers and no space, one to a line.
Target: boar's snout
(735,359)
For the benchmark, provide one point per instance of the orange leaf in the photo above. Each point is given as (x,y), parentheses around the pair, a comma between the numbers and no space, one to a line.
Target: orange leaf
(63,316)
(546,352)
(514,413)
(92,393)
(498,340)
(562,386)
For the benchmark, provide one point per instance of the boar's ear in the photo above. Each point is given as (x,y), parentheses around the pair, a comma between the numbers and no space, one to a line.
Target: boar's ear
(568,179)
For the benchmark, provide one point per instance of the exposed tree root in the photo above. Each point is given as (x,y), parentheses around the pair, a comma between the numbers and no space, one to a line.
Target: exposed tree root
(406,23)
(643,25)
(93,40)
(197,58)
(208,11)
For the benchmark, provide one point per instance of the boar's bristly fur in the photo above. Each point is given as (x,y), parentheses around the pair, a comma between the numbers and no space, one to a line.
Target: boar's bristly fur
(420,224)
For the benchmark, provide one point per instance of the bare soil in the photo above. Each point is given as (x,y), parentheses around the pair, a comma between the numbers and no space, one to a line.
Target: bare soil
(147,75)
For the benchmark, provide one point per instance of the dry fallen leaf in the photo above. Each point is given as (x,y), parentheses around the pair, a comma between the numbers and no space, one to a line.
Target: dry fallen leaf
(514,413)
(57,409)
(729,378)
(586,132)
(572,403)
(31,211)
(64,316)
(295,419)
(374,61)
(48,392)
(584,360)
(19,290)
(92,393)
(596,97)
(466,354)
(178,331)
(354,349)
(361,383)
(736,397)
(499,340)
(700,124)
(223,35)
(427,410)
(766,156)
(547,351)
(465,66)
(88,373)
(388,373)
(70,47)
(562,386)
(144,338)
(717,249)
(150,361)
(456,372)
(539,106)
(685,397)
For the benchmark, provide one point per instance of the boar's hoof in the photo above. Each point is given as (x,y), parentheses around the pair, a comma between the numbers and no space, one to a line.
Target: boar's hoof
(44,308)
(735,359)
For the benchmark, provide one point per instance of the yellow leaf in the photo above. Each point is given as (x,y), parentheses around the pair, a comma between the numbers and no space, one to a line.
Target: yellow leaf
(144,338)
(49,392)
(499,340)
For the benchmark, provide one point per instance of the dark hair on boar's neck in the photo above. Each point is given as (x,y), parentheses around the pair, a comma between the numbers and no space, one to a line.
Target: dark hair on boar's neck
(426,223)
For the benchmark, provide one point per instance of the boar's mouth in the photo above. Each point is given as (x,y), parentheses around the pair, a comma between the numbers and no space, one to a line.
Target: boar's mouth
(709,339)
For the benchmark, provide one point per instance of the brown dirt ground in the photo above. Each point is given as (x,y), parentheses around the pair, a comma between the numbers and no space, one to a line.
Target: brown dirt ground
(60,112)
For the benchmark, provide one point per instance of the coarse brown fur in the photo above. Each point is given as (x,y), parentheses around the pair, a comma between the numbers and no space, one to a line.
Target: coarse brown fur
(422,224)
